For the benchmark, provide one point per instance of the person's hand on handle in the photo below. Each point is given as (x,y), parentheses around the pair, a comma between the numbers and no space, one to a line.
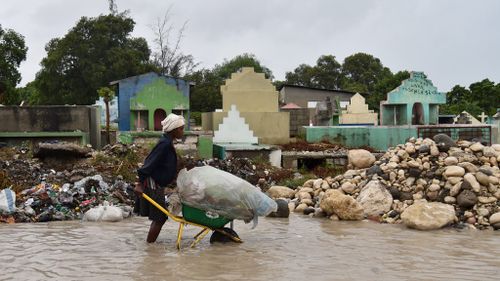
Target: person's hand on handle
(138,189)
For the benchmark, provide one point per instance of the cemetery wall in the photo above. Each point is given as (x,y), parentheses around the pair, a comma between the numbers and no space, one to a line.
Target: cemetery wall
(51,121)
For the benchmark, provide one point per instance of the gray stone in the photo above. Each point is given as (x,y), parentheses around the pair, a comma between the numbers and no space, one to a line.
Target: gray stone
(309,210)
(405,196)
(442,194)
(283,210)
(489,151)
(424,149)
(414,172)
(444,142)
(375,199)
(467,199)
(482,178)
(375,169)
(486,171)
(395,193)
(428,216)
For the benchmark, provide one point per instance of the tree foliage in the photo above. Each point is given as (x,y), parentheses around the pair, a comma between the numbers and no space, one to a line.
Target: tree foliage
(483,96)
(326,74)
(366,74)
(205,95)
(362,72)
(384,86)
(12,52)
(93,53)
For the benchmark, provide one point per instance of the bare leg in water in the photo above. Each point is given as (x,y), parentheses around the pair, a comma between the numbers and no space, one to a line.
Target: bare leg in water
(154,231)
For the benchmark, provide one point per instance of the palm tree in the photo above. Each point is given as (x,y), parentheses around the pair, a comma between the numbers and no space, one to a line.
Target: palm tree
(107,95)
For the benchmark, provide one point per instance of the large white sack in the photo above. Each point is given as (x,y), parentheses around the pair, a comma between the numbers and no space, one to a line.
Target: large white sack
(105,212)
(214,190)
(94,214)
(111,213)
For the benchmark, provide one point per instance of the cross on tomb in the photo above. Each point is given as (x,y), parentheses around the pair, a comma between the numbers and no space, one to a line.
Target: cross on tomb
(482,116)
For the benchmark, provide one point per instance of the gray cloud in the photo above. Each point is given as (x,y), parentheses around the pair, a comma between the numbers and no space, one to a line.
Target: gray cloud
(454,42)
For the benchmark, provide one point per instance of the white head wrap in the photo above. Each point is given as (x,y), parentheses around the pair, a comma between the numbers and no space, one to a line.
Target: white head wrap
(172,122)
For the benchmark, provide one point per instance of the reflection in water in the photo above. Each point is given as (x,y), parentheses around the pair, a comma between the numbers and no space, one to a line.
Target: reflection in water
(298,248)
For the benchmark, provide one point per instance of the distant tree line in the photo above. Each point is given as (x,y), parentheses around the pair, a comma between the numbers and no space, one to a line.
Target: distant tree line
(100,49)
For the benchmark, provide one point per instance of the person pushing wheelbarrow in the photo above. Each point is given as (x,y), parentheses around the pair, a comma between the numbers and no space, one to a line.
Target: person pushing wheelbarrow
(158,171)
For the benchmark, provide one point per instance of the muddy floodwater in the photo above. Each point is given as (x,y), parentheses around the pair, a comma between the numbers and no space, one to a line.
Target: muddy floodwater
(298,248)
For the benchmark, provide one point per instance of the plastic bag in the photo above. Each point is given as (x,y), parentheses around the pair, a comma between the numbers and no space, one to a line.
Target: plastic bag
(216,191)
(106,212)
(7,200)
(94,214)
(111,213)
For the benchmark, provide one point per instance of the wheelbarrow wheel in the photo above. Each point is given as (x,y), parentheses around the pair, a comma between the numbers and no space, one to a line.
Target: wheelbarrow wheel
(221,238)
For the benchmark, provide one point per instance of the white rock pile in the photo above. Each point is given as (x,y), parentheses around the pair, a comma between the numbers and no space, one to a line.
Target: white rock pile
(424,183)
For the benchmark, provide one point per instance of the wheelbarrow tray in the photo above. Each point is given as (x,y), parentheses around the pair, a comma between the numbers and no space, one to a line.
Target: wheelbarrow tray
(198,216)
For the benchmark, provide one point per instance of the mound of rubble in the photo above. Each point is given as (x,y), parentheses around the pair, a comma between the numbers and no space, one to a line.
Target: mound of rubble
(425,184)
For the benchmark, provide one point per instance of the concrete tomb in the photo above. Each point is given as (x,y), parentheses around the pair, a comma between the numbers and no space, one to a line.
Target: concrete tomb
(415,102)
(357,113)
(145,100)
(256,98)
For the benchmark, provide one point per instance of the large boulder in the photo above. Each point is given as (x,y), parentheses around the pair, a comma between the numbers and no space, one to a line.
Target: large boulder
(360,158)
(444,142)
(375,198)
(280,192)
(428,216)
(344,206)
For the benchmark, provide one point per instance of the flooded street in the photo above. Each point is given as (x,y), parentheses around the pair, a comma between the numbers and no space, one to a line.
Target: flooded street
(298,248)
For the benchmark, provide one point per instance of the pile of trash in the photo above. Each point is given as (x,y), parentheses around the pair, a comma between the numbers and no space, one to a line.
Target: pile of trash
(63,186)
(424,184)
(51,202)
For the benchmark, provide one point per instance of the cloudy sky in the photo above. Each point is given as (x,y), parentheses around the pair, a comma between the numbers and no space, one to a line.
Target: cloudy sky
(452,41)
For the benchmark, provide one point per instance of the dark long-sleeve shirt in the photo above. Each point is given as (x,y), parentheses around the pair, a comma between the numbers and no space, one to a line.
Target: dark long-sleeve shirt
(161,163)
